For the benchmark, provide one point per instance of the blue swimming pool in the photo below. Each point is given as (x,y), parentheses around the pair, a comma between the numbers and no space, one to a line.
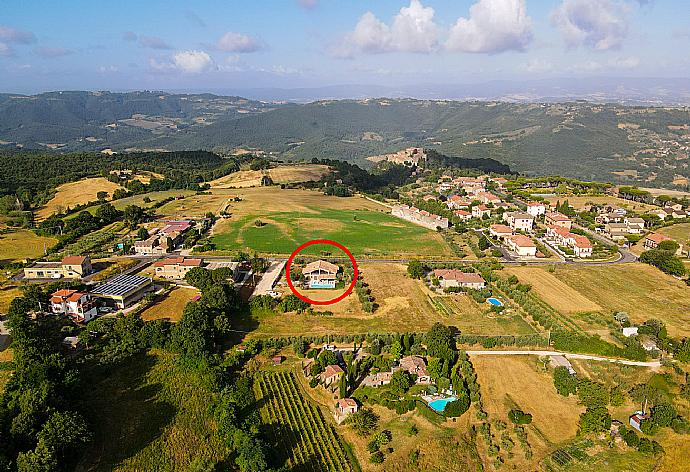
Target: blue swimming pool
(494,301)
(440,404)
(322,285)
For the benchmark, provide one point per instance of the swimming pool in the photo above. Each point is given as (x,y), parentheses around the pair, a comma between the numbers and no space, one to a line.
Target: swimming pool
(440,404)
(322,284)
(494,301)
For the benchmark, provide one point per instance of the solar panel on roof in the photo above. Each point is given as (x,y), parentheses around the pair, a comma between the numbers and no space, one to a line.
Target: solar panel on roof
(121,285)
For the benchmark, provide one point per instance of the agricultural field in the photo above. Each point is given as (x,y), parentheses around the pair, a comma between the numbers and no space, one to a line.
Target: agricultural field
(5,372)
(106,268)
(523,383)
(76,193)
(290,217)
(152,414)
(301,436)
(279,175)
(23,244)
(405,305)
(197,205)
(7,294)
(638,289)
(171,306)
(679,233)
(138,200)
(580,201)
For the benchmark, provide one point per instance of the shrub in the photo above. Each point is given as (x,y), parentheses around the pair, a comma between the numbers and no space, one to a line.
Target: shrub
(457,407)
(519,417)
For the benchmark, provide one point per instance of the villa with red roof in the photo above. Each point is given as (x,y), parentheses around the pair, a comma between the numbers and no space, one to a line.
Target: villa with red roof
(175,267)
(76,304)
(521,245)
(652,240)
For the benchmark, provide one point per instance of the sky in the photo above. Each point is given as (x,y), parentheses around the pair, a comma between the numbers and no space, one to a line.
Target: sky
(210,45)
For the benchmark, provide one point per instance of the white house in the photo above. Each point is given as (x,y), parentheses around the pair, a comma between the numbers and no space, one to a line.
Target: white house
(536,208)
(521,245)
(519,221)
(480,211)
(457,278)
(76,304)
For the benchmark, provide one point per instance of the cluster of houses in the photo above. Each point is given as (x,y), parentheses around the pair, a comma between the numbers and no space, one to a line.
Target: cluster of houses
(163,240)
(520,244)
(413,364)
(469,185)
(420,217)
(674,211)
(560,236)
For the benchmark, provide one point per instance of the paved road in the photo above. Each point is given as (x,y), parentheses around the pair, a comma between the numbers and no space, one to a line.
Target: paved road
(269,279)
(567,355)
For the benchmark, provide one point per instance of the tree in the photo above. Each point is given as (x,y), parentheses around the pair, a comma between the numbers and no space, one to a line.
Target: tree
(592,394)
(342,386)
(435,368)
(200,278)
(142,234)
(668,245)
(120,193)
(519,417)
(107,213)
(401,381)
(133,215)
(457,407)
(101,196)
(663,414)
(396,349)
(251,455)
(327,357)
(415,269)
(300,347)
(565,383)
(363,422)
(440,342)
(483,243)
(595,420)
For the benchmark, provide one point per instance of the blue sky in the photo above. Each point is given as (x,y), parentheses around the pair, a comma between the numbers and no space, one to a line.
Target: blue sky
(212,45)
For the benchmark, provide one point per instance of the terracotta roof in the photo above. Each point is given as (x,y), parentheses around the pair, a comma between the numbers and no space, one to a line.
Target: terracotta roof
(332,370)
(556,216)
(75,297)
(178,261)
(347,402)
(501,229)
(657,237)
(320,265)
(521,240)
(582,242)
(460,276)
(462,213)
(73,260)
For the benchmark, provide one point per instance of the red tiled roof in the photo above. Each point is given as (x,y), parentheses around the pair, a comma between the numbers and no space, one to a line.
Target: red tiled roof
(347,402)
(332,370)
(73,260)
(460,276)
(556,216)
(657,237)
(501,229)
(522,241)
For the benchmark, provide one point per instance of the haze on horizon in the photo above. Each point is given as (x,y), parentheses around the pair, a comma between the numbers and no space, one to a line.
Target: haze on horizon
(209,45)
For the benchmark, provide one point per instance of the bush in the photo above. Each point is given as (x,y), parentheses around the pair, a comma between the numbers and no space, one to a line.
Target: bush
(519,417)
(457,407)
(565,383)
(376,458)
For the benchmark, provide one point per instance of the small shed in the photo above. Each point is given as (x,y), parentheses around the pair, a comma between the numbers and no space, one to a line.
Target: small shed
(277,360)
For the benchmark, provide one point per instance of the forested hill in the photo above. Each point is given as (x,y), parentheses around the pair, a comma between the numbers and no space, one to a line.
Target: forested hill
(636,145)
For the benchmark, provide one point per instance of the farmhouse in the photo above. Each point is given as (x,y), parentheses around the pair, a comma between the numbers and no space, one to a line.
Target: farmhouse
(557,219)
(331,375)
(417,366)
(536,208)
(635,225)
(149,247)
(175,267)
(123,290)
(500,231)
(378,379)
(420,217)
(321,274)
(521,245)
(519,221)
(661,213)
(679,214)
(71,267)
(76,304)
(463,215)
(652,240)
(456,278)
(346,406)
(480,211)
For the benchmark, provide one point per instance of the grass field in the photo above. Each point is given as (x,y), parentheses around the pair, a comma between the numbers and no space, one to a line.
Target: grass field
(405,305)
(292,217)
(279,175)
(23,244)
(552,290)
(578,202)
(151,414)
(7,294)
(196,205)
(139,199)
(679,232)
(76,193)
(170,308)
(638,289)
(512,382)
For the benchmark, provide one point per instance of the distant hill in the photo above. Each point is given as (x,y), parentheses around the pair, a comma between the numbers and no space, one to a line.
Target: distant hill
(634,145)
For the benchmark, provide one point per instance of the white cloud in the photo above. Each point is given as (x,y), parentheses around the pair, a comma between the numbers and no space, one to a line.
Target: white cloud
(413,30)
(597,24)
(308,4)
(192,62)
(625,62)
(238,42)
(493,26)
(5,50)
(108,69)
(13,35)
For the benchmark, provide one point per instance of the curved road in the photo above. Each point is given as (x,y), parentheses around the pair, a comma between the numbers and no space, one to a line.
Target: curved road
(567,355)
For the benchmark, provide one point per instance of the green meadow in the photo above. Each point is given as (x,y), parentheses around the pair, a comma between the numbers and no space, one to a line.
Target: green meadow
(365,233)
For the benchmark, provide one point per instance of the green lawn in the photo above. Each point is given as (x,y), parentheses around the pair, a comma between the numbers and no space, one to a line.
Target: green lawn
(364,233)
(150,414)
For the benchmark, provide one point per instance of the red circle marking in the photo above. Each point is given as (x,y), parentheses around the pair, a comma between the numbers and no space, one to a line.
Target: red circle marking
(332,243)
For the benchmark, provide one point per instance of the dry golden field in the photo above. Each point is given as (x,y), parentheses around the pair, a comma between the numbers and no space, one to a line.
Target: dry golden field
(518,382)
(171,307)
(279,175)
(579,201)
(7,294)
(638,289)
(23,244)
(76,193)
(553,291)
